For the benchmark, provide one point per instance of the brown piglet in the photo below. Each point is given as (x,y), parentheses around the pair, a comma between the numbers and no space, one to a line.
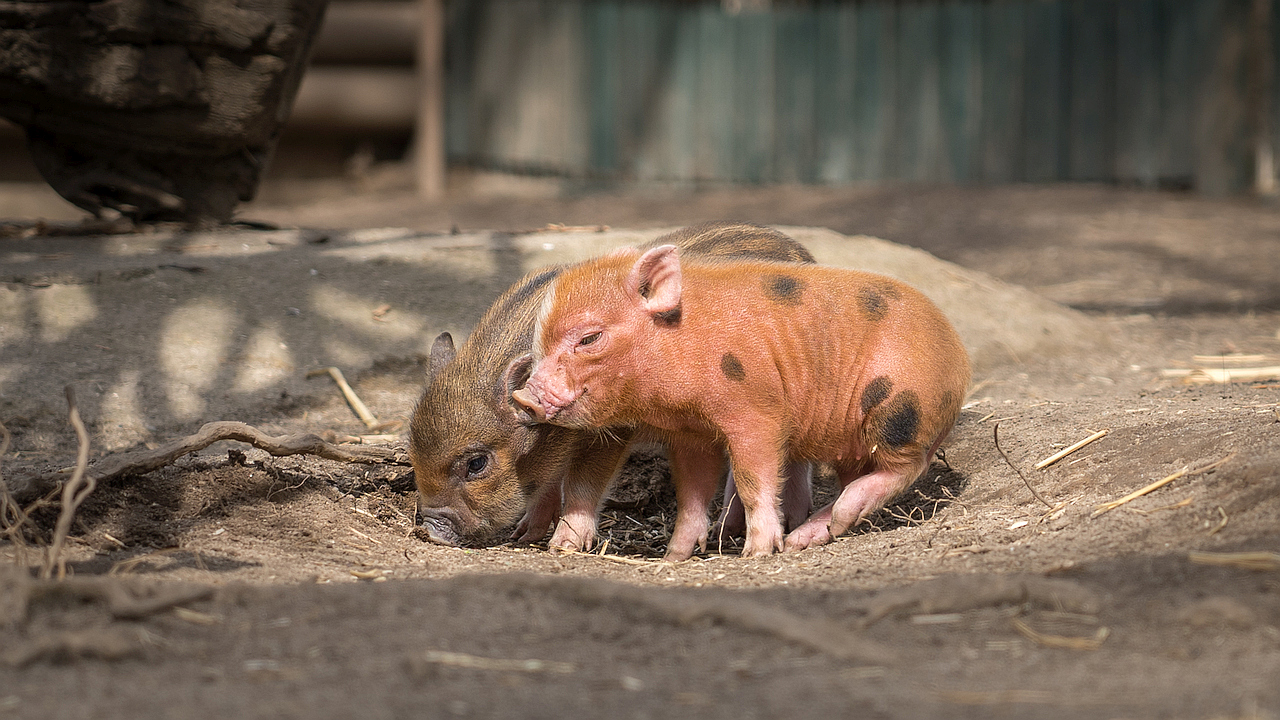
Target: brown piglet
(480,467)
(777,363)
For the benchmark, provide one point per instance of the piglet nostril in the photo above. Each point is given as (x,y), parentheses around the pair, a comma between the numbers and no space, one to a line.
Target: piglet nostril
(525,399)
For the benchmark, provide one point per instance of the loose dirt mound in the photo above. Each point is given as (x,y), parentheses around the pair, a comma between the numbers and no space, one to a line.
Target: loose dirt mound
(967,598)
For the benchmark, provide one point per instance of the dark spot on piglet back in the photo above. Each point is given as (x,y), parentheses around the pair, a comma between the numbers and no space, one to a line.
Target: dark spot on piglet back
(901,419)
(873,304)
(783,289)
(876,392)
(732,368)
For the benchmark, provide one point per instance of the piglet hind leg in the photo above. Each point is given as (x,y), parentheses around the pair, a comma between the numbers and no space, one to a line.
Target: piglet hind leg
(797,501)
(696,473)
(864,495)
(584,490)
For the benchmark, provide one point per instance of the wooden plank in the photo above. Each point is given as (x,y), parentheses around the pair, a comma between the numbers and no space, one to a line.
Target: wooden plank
(1046,90)
(463,26)
(679,125)
(961,89)
(715,99)
(601,20)
(640,83)
(873,90)
(1223,146)
(833,104)
(1002,91)
(917,152)
(1138,87)
(1182,60)
(754,96)
(794,91)
(1092,112)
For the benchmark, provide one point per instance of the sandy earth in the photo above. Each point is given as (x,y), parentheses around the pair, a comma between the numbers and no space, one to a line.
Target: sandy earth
(303,589)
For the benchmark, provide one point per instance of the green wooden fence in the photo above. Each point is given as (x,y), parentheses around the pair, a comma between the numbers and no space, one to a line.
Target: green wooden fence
(1153,92)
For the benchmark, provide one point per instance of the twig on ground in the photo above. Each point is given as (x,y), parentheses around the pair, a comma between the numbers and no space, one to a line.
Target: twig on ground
(73,493)
(615,558)
(475,662)
(1243,560)
(1060,641)
(1222,524)
(1184,472)
(353,400)
(1059,455)
(995,434)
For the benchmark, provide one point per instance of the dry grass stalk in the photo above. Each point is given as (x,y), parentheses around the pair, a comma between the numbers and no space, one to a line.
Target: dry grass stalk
(1184,472)
(361,410)
(11,516)
(1232,359)
(73,493)
(475,662)
(1262,561)
(614,558)
(1061,641)
(1222,524)
(1061,454)
(1205,376)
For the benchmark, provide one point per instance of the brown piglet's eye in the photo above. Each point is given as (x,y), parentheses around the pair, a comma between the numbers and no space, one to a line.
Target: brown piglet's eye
(477,464)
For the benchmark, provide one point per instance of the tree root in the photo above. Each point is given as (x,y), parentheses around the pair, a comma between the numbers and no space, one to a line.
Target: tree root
(967,592)
(140,462)
(822,636)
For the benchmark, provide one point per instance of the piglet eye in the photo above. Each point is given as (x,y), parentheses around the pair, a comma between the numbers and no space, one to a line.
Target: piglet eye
(477,464)
(589,339)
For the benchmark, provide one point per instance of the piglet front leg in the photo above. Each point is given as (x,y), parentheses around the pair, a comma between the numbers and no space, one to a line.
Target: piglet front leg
(696,473)
(755,470)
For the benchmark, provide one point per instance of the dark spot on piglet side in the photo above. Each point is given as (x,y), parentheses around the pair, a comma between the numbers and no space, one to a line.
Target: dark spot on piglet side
(876,392)
(901,419)
(732,368)
(783,289)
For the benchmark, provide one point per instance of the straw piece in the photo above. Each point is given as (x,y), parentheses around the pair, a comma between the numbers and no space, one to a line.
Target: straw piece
(1059,455)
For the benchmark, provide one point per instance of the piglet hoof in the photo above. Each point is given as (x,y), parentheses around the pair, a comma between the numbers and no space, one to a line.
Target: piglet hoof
(570,539)
(759,546)
(807,536)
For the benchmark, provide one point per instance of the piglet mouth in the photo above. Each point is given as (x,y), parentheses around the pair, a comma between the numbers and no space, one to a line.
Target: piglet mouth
(440,526)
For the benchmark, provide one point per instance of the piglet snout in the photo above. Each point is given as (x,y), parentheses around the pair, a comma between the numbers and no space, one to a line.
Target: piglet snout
(527,400)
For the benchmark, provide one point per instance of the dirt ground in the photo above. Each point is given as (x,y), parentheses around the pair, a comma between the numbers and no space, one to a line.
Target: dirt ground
(236,584)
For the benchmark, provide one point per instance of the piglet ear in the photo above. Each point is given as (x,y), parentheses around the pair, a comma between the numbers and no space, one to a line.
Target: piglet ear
(513,380)
(442,353)
(655,279)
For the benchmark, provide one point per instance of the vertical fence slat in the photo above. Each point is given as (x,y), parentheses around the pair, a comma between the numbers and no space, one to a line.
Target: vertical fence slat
(833,105)
(961,89)
(917,151)
(1138,82)
(1002,72)
(715,99)
(603,91)
(796,39)
(1046,86)
(753,87)
(873,91)
(1092,108)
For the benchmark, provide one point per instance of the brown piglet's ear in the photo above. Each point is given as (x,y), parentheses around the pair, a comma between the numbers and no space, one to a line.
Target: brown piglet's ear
(442,353)
(513,379)
(655,279)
